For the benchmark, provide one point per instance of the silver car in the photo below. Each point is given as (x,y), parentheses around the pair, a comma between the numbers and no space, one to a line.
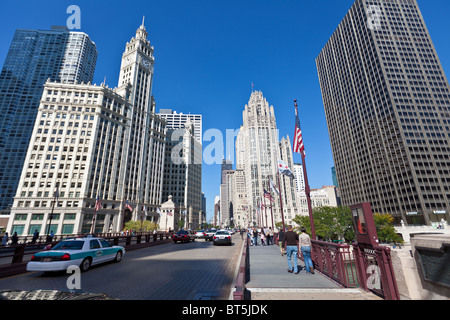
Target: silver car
(222,237)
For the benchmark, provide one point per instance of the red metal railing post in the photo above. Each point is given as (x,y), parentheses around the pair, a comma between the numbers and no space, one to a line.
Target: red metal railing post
(388,282)
(360,267)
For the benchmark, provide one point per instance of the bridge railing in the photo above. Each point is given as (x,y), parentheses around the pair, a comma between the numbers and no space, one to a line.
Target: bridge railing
(241,280)
(335,261)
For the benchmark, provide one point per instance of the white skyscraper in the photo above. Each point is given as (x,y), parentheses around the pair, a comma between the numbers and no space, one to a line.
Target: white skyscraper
(177,120)
(299,178)
(258,150)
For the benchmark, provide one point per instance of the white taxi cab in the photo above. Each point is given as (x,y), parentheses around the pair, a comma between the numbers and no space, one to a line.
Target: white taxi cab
(81,252)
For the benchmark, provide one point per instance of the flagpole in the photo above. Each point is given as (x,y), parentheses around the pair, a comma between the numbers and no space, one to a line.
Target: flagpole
(271,212)
(308,199)
(265,211)
(123,214)
(93,222)
(94,217)
(307,188)
(281,200)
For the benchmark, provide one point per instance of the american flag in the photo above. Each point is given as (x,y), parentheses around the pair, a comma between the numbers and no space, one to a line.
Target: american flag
(298,139)
(268,195)
(98,204)
(127,206)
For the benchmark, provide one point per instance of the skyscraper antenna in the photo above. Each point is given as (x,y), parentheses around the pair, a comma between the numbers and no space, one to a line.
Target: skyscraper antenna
(143,21)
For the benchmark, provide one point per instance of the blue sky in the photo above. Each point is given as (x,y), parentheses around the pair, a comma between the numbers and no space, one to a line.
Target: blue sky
(209,52)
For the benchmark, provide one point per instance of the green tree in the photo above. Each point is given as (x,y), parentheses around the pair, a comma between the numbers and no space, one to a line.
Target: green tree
(331,223)
(384,224)
(146,226)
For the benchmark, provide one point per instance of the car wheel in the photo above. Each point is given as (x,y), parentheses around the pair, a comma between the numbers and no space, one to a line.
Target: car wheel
(174,241)
(119,256)
(85,265)
(193,239)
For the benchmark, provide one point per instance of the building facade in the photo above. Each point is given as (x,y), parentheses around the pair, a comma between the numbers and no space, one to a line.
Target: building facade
(34,57)
(238,208)
(299,177)
(92,142)
(258,150)
(323,197)
(183,174)
(386,100)
(177,120)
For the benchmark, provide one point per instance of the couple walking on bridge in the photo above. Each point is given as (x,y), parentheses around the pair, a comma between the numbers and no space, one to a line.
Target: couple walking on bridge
(292,242)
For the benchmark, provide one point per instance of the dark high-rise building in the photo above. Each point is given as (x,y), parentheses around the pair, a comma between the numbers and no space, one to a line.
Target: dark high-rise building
(387,106)
(226,165)
(34,57)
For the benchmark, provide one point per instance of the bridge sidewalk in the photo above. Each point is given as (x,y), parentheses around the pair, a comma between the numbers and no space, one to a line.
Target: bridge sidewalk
(269,280)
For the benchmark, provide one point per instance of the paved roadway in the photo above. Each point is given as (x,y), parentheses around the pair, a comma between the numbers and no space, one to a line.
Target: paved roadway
(182,271)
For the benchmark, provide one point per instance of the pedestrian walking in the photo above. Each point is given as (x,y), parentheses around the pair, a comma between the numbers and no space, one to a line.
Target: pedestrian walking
(280,241)
(305,247)
(270,237)
(35,236)
(263,237)
(5,239)
(290,243)
(255,236)
(14,239)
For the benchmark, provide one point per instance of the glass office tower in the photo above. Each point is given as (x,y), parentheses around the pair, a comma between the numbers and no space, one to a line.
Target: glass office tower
(34,57)
(387,103)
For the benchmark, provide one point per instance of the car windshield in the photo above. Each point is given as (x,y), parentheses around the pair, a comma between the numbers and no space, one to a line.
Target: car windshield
(69,245)
(182,232)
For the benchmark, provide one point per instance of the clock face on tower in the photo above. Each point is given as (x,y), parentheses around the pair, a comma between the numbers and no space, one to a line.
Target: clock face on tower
(145,63)
(128,60)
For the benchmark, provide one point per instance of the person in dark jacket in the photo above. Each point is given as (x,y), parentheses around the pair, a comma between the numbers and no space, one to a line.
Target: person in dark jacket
(14,239)
(290,243)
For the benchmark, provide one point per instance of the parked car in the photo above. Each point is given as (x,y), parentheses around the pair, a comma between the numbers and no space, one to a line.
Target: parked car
(200,234)
(210,234)
(183,236)
(222,237)
(82,252)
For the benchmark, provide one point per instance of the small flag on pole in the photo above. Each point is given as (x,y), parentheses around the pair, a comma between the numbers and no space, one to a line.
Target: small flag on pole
(127,206)
(268,195)
(98,204)
(298,139)
(272,186)
(284,169)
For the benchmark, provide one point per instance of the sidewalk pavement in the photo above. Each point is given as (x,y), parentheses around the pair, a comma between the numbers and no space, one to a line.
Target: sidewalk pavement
(269,280)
